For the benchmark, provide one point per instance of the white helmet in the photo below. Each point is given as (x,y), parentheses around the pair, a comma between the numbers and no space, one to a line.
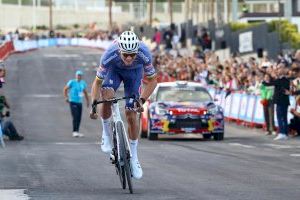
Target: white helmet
(128,42)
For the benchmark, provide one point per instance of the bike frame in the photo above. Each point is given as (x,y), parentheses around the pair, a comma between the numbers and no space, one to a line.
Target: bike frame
(117,118)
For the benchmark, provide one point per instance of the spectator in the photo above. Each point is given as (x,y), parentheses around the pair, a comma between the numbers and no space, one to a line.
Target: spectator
(73,93)
(267,92)
(295,121)
(282,101)
(2,73)
(168,37)
(7,126)
(157,38)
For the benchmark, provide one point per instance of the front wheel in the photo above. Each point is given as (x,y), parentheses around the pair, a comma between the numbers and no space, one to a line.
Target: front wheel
(124,156)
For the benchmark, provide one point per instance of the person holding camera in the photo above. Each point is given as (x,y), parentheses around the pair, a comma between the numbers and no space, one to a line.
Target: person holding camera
(7,126)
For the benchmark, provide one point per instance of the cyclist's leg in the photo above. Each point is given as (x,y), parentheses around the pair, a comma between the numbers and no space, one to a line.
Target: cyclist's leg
(132,86)
(110,85)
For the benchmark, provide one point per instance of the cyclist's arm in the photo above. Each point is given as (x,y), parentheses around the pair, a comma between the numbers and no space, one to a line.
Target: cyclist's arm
(95,93)
(149,86)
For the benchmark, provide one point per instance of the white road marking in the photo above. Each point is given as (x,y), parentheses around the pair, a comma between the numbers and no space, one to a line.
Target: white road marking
(13,195)
(241,145)
(94,64)
(295,154)
(84,64)
(278,146)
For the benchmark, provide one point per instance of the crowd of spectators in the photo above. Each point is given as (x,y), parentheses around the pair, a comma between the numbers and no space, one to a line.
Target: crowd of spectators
(250,76)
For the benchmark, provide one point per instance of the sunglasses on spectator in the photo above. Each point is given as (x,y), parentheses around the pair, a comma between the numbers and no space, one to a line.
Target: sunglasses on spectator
(132,55)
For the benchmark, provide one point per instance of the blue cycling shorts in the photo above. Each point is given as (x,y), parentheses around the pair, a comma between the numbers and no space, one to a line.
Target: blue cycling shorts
(132,79)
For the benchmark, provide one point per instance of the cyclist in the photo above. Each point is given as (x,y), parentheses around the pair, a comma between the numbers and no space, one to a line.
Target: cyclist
(127,60)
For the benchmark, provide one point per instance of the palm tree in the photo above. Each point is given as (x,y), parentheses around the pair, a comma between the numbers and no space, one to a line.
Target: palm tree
(171,10)
(150,11)
(110,15)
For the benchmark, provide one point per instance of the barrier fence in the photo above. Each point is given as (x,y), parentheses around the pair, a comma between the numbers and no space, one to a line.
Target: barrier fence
(241,107)
(238,106)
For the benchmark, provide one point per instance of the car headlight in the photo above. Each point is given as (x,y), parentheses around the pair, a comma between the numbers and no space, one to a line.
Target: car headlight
(160,110)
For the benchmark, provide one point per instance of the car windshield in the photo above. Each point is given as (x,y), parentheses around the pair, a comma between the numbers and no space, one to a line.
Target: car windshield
(189,94)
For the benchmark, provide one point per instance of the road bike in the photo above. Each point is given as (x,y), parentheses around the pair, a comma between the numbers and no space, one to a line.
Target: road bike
(121,154)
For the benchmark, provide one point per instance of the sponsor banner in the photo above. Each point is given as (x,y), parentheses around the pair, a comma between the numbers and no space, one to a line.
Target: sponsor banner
(63,41)
(227,106)
(245,42)
(250,110)
(74,42)
(235,105)
(33,44)
(259,112)
(6,49)
(43,43)
(52,42)
(243,107)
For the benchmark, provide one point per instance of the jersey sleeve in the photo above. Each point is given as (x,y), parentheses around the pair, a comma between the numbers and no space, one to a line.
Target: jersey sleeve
(103,67)
(149,69)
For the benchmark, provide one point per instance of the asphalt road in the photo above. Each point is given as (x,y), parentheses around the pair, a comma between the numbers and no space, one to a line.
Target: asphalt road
(51,165)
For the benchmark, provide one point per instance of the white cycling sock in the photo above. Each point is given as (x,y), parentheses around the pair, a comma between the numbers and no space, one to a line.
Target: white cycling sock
(133,148)
(106,125)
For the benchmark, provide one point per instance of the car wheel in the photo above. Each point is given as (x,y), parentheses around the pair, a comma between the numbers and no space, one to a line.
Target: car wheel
(151,136)
(219,136)
(206,136)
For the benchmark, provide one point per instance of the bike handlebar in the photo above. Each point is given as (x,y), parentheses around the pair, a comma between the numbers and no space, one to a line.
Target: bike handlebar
(113,100)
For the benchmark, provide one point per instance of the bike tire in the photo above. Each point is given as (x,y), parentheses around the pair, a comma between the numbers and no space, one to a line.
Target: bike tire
(125,155)
(119,168)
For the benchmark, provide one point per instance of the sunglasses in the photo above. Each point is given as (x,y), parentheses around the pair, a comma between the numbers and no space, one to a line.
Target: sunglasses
(132,55)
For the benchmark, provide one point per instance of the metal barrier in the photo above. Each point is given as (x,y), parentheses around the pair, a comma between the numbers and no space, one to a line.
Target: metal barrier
(244,108)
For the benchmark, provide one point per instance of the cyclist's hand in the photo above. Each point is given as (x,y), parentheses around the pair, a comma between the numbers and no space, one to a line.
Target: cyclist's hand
(138,106)
(93,113)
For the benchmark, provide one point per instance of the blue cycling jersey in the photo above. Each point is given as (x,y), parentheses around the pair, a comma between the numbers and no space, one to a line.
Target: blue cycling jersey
(112,59)
(113,71)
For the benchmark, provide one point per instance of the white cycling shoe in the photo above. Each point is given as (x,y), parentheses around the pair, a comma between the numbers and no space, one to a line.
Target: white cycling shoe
(106,144)
(136,169)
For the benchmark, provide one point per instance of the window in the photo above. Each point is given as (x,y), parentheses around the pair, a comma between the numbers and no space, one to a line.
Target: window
(260,8)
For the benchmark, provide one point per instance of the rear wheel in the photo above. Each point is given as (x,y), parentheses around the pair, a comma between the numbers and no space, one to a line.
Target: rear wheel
(125,156)
(219,136)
